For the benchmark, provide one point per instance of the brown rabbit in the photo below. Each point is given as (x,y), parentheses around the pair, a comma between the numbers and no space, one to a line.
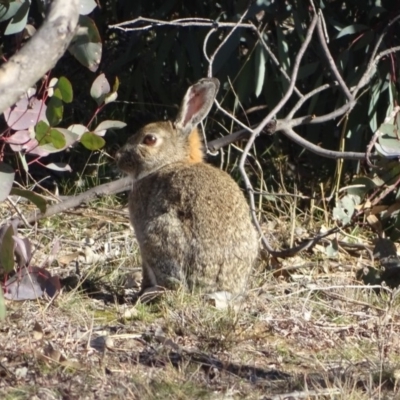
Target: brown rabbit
(191,219)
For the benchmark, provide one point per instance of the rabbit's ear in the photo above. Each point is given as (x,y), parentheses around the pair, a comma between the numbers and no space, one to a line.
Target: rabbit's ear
(196,104)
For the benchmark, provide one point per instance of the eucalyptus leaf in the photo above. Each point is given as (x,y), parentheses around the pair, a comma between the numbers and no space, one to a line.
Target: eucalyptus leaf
(6,180)
(55,109)
(86,47)
(65,87)
(7,250)
(36,199)
(18,22)
(108,124)
(260,69)
(100,88)
(92,141)
(86,6)
(351,29)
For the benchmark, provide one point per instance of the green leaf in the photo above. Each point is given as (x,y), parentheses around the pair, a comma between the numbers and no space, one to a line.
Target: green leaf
(115,85)
(91,141)
(55,108)
(260,69)
(86,46)
(49,136)
(361,186)
(8,10)
(7,250)
(18,22)
(2,306)
(333,249)
(57,139)
(351,29)
(6,180)
(100,89)
(65,87)
(41,130)
(37,200)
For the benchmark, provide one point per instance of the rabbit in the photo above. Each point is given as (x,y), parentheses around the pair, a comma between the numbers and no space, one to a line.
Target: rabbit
(191,219)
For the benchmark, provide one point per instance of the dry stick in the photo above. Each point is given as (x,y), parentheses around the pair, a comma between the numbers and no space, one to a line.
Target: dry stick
(332,63)
(183,22)
(307,96)
(377,135)
(313,148)
(211,59)
(118,186)
(373,60)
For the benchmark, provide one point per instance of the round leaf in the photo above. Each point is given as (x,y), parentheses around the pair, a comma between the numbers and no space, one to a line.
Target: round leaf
(42,131)
(55,108)
(66,91)
(91,141)
(86,6)
(25,113)
(100,88)
(57,139)
(87,47)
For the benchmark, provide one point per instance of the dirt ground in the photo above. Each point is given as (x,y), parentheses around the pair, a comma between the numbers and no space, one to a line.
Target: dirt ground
(307,329)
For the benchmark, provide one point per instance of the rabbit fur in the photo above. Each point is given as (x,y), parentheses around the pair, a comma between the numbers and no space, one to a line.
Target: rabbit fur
(191,219)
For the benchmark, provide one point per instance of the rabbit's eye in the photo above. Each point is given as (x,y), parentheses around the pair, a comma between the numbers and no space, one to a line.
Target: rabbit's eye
(149,140)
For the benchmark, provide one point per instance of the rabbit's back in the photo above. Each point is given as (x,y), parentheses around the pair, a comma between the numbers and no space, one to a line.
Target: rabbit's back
(193,227)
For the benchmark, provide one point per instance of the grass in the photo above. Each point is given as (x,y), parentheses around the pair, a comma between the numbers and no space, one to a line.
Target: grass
(307,328)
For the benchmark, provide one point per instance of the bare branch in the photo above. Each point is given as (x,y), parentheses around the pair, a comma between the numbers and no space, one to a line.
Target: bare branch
(332,64)
(291,134)
(181,22)
(293,78)
(371,68)
(114,187)
(26,67)
(307,96)
(226,38)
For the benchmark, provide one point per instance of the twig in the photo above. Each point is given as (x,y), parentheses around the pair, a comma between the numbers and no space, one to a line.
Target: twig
(226,38)
(118,186)
(332,64)
(181,22)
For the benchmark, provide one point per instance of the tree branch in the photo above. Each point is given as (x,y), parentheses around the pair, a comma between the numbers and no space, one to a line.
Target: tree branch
(40,54)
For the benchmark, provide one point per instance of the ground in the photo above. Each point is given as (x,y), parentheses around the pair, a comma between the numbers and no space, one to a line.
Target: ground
(307,329)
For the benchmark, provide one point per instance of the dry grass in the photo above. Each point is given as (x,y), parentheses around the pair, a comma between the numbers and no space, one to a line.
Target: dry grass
(307,329)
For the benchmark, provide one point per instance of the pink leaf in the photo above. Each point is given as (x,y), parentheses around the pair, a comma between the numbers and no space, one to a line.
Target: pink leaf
(22,141)
(30,283)
(25,113)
